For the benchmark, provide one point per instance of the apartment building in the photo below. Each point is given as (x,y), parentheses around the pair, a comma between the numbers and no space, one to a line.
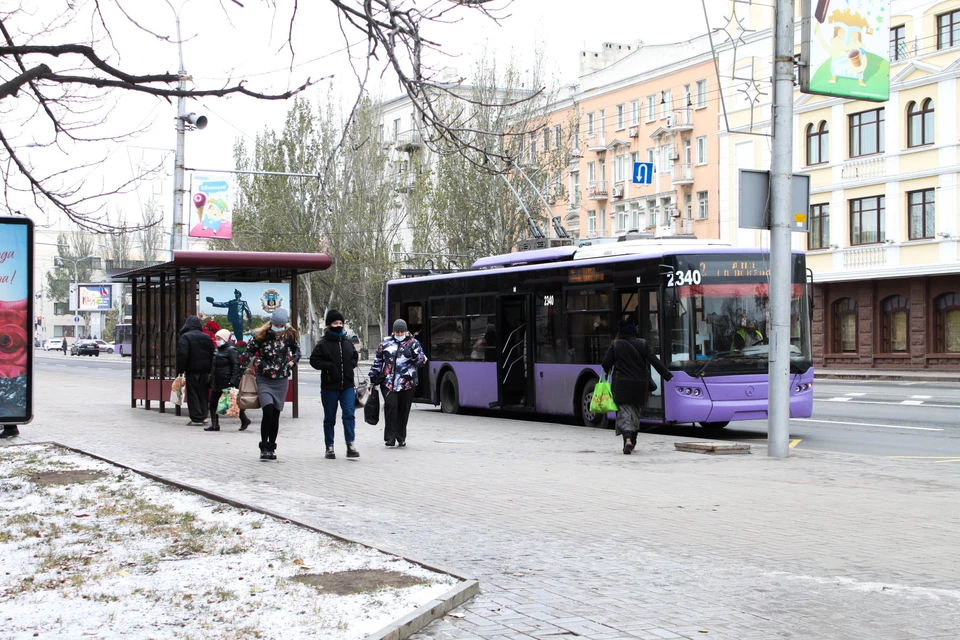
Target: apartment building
(637,103)
(883,246)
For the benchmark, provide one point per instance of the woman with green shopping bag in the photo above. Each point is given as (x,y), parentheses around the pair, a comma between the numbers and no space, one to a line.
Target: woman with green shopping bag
(630,358)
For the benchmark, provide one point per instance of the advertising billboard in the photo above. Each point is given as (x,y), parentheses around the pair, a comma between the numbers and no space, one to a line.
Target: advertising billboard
(16,320)
(211,199)
(242,306)
(845,49)
(95,297)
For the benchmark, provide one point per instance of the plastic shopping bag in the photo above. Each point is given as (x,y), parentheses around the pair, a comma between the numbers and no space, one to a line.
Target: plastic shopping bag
(602,401)
(371,409)
(227,404)
(176,390)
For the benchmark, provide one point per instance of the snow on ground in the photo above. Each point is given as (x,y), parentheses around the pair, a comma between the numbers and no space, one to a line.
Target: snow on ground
(124,556)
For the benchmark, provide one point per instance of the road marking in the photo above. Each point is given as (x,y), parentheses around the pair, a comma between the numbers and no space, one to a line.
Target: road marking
(838,399)
(866,424)
(856,394)
(922,397)
(852,401)
(911,402)
(938,459)
(949,460)
(794,443)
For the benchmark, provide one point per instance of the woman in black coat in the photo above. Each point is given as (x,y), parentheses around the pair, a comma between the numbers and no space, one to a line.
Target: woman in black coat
(633,358)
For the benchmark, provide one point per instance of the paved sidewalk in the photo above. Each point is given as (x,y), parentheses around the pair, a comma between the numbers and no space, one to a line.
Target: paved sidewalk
(569,537)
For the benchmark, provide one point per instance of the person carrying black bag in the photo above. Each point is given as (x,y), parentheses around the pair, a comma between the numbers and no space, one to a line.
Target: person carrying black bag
(224,374)
(194,355)
(633,357)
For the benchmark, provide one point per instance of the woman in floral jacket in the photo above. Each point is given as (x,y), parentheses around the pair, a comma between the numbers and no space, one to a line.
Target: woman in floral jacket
(275,350)
(395,370)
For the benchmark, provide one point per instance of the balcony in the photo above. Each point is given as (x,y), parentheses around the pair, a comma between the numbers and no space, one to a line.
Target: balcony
(865,169)
(681,174)
(597,144)
(597,190)
(574,205)
(869,257)
(680,120)
(409,141)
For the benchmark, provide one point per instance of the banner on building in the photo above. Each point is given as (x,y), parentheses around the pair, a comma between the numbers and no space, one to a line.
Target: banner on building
(94,297)
(211,205)
(16,320)
(242,306)
(845,49)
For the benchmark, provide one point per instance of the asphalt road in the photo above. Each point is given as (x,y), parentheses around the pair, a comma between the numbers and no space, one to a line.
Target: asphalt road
(883,418)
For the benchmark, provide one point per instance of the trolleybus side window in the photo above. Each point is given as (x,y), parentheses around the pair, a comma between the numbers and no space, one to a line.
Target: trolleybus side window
(588,324)
(481,323)
(446,329)
(551,347)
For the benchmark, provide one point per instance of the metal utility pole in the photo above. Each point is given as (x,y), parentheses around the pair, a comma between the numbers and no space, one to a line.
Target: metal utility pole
(176,240)
(781,258)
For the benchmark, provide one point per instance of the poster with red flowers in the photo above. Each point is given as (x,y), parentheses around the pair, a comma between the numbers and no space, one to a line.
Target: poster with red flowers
(16,329)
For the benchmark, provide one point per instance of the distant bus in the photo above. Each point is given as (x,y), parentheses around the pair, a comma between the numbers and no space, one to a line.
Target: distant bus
(526,331)
(123,339)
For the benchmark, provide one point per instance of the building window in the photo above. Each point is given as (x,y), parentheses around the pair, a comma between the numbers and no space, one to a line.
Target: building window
(818,143)
(922,214)
(898,43)
(533,147)
(845,326)
(634,216)
(621,117)
(920,123)
(819,235)
(396,128)
(703,204)
(701,94)
(894,321)
(575,137)
(652,159)
(623,218)
(546,139)
(666,103)
(687,206)
(557,131)
(591,171)
(946,310)
(590,124)
(948,30)
(651,108)
(620,168)
(866,133)
(592,222)
(634,113)
(866,220)
(702,150)
(602,125)
(651,213)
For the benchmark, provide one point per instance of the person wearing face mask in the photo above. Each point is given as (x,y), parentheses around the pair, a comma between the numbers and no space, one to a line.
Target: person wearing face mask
(275,351)
(336,357)
(224,374)
(395,370)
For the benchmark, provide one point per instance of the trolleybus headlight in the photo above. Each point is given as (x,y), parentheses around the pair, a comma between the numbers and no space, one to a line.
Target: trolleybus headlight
(696,392)
(688,391)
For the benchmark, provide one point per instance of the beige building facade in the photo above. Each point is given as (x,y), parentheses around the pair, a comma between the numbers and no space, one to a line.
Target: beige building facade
(884,241)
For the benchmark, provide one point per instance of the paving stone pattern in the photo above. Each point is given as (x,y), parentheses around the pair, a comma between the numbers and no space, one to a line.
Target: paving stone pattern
(569,537)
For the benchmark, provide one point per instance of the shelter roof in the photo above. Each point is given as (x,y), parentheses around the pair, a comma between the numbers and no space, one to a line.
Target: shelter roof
(238,266)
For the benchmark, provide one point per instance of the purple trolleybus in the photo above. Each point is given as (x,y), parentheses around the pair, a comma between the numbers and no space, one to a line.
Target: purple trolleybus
(526,332)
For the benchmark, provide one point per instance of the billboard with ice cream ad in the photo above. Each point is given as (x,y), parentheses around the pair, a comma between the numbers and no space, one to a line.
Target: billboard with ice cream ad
(211,205)
(846,49)
(16,320)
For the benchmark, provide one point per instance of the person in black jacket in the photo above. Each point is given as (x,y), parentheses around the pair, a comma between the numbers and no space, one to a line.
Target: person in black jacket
(336,358)
(194,354)
(224,374)
(633,357)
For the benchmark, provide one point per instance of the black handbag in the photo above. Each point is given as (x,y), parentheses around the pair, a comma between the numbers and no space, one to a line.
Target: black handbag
(371,409)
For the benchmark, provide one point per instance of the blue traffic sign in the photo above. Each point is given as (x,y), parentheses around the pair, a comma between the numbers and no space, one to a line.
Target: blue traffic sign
(76,319)
(642,173)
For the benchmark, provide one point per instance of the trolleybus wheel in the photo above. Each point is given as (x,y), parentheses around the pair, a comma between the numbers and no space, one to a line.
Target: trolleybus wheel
(591,419)
(449,393)
(714,425)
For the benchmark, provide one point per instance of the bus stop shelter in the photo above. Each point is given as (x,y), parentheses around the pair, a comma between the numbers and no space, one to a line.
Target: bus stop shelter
(165,294)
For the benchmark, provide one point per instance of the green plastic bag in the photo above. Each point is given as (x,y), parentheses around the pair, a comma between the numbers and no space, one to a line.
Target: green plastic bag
(602,401)
(227,405)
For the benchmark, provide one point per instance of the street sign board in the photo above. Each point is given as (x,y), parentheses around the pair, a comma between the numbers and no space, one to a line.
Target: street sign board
(642,173)
(755,201)
(76,319)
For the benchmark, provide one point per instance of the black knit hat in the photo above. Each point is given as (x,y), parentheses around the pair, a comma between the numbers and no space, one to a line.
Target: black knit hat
(333,315)
(626,328)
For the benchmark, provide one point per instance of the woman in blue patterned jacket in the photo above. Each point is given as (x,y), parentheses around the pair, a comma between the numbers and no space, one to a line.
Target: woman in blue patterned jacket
(395,370)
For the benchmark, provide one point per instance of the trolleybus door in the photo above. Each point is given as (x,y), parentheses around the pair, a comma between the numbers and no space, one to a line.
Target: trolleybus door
(514,374)
(413,314)
(642,305)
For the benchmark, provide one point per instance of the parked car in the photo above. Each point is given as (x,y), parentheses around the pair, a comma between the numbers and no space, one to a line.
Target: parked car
(85,348)
(54,344)
(105,346)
